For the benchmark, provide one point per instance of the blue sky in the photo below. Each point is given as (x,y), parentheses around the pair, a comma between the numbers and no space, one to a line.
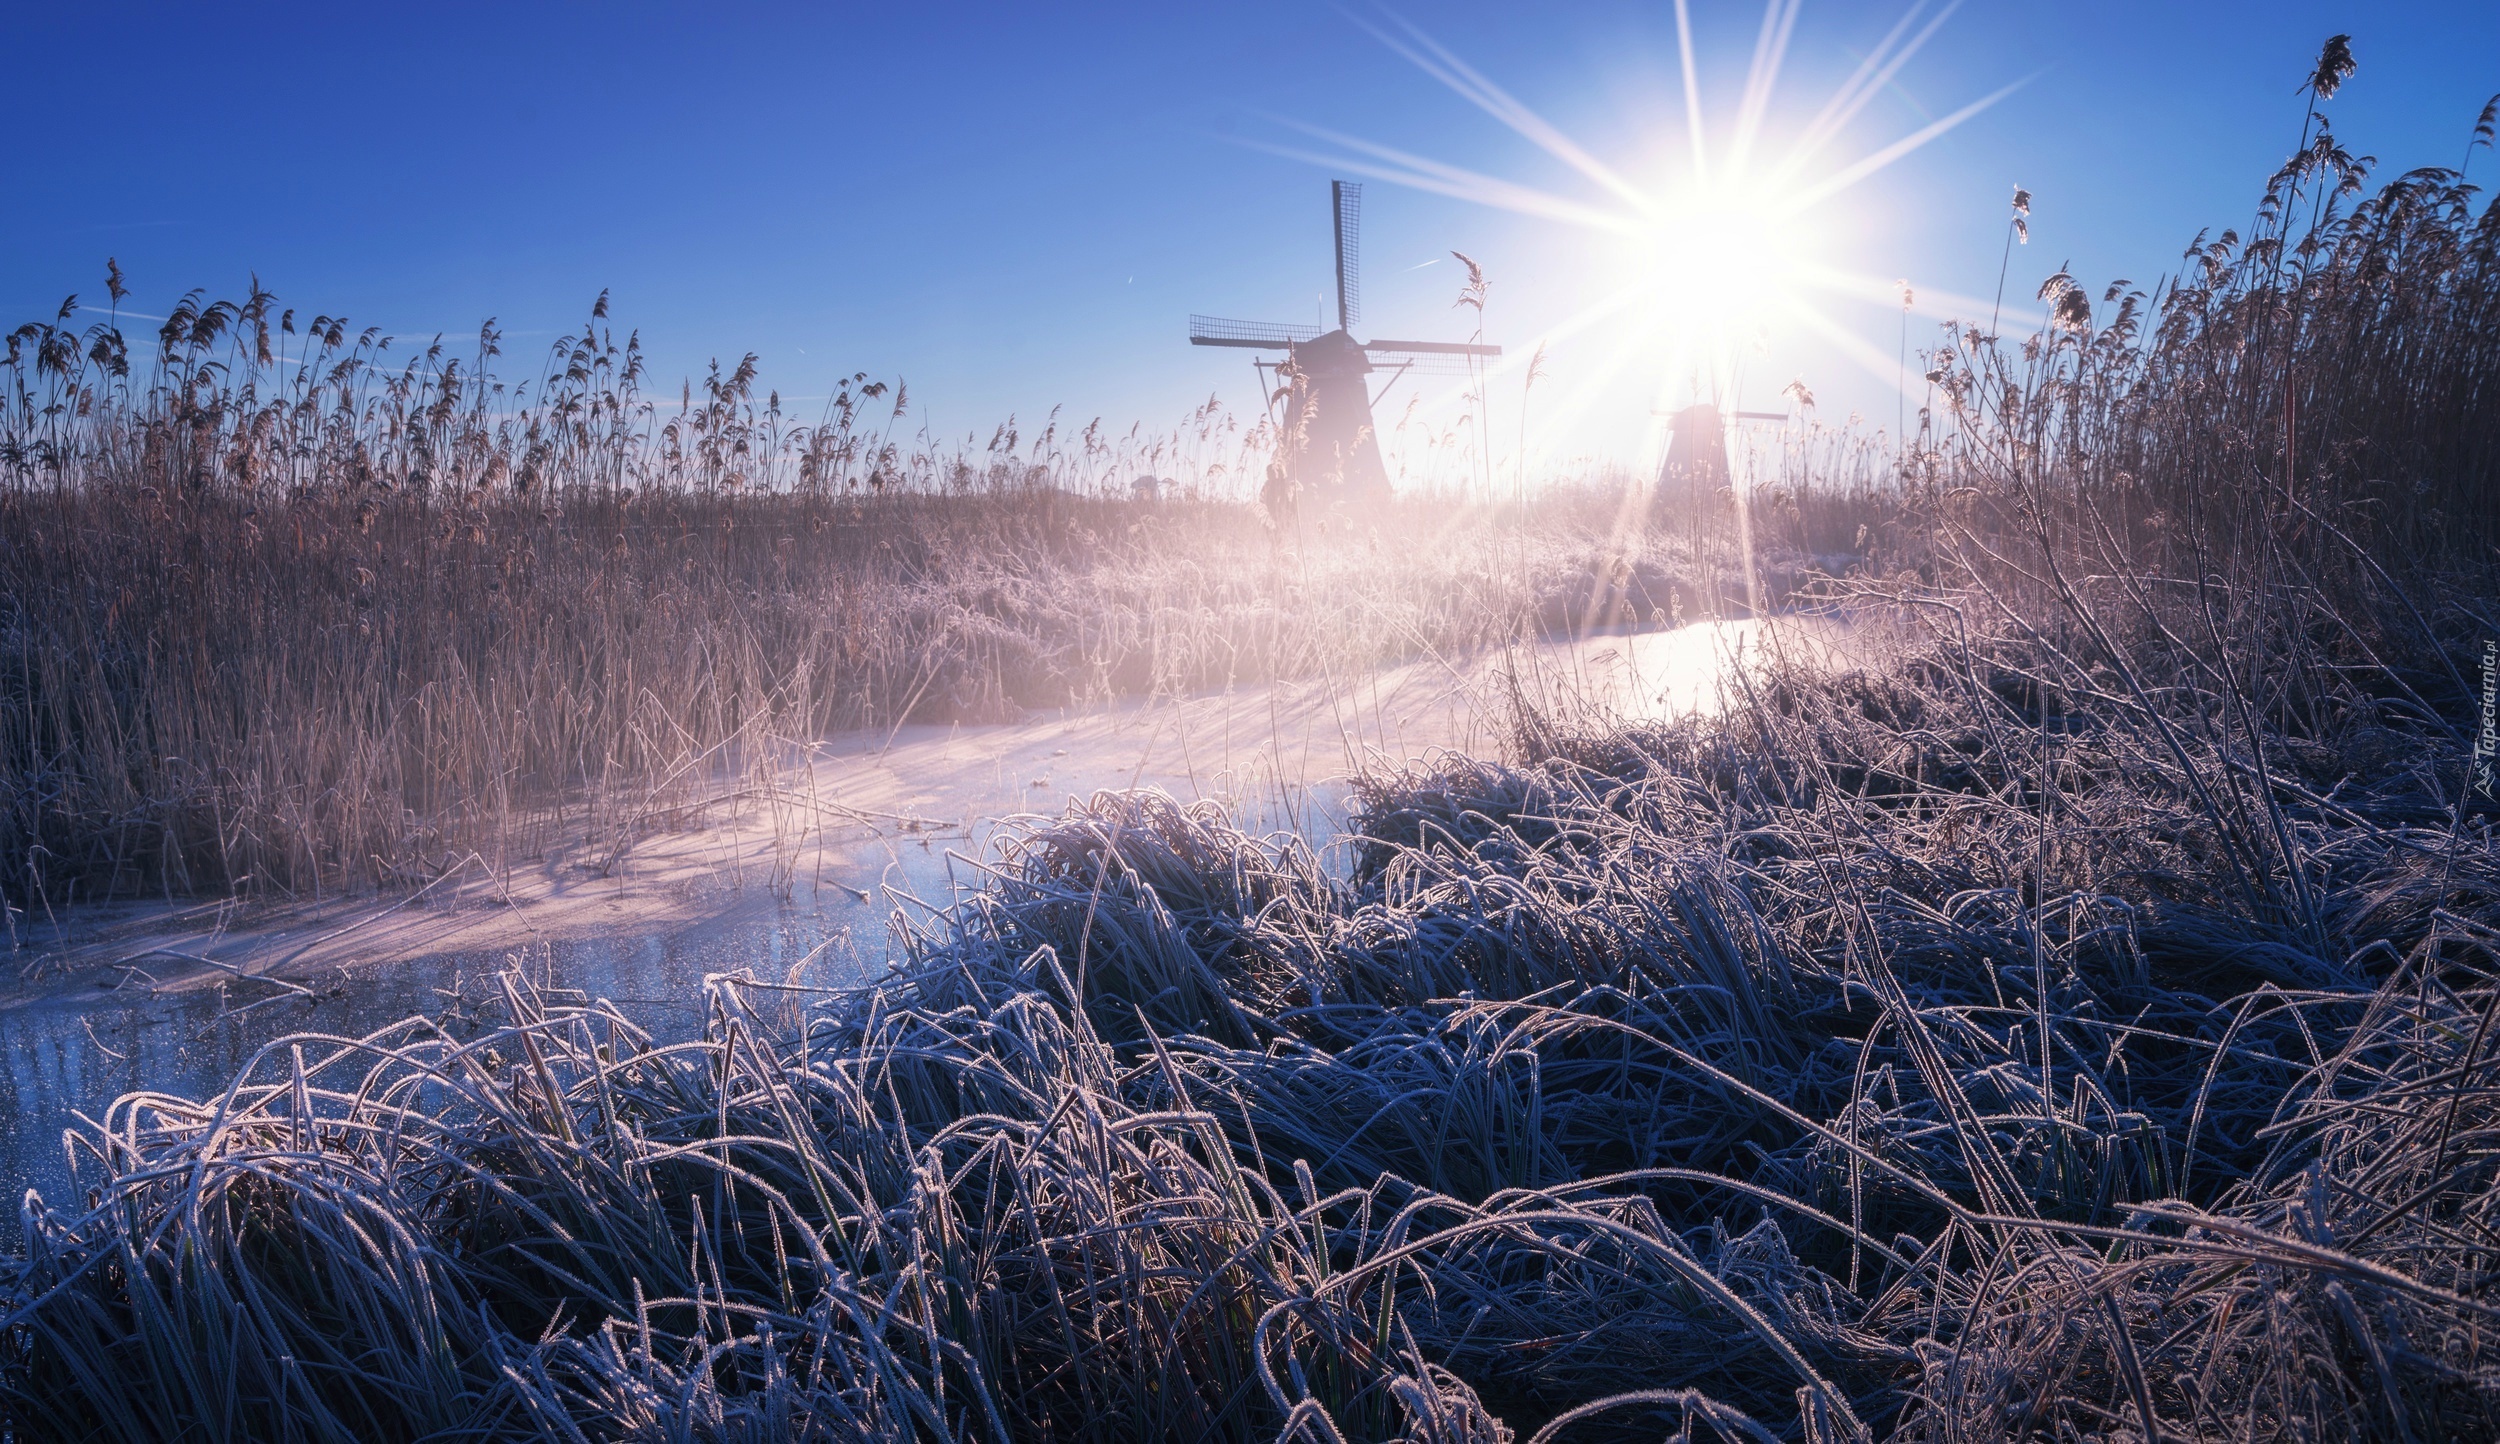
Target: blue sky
(1017,208)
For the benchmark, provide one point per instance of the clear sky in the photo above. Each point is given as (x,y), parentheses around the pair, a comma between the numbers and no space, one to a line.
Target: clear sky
(1018,207)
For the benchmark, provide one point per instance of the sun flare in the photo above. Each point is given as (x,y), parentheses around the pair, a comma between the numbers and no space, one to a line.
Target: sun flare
(1716,265)
(1713,258)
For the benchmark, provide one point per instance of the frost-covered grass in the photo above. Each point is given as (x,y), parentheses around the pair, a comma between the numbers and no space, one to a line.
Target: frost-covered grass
(1924,1053)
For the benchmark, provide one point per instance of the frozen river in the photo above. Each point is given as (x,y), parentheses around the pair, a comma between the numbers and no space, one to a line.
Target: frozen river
(807,881)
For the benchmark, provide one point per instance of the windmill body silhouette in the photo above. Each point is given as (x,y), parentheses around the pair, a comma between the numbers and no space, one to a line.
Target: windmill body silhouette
(1696,461)
(1329,449)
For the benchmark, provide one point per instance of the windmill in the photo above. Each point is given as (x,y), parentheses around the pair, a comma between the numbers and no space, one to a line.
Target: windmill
(1329,449)
(1697,442)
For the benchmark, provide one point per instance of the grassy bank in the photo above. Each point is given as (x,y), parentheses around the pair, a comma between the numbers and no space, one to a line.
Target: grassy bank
(1927,1052)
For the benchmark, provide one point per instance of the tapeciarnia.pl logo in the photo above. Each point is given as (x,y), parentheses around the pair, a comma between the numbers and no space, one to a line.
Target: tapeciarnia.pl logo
(2487,740)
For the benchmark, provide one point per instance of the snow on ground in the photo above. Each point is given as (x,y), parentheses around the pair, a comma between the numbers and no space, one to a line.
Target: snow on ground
(800,880)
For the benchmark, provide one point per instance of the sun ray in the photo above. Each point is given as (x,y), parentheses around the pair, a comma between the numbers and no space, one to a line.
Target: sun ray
(1883,368)
(1853,174)
(1436,61)
(1931,301)
(1421,173)
(1863,85)
(1779,18)
(1518,356)
(1515,358)
(1579,400)
(1692,92)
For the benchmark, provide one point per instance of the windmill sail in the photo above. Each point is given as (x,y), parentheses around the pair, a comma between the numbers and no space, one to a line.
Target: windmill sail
(1428,358)
(1420,363)
(1346,199)
(1267,335)
(1433,348)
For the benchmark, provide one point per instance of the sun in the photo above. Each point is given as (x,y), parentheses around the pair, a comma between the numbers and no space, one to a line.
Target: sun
(1717,264)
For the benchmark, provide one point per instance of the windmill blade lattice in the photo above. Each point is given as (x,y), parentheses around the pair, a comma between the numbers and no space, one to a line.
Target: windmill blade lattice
(1420,363)
(1271,335)
(1347,200)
